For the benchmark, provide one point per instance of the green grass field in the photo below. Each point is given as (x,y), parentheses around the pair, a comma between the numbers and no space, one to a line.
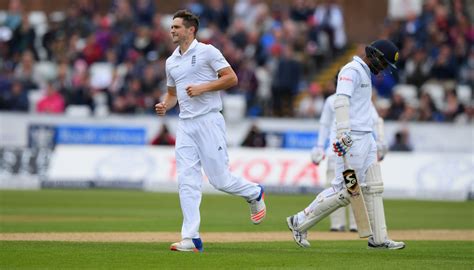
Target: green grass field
(135,211)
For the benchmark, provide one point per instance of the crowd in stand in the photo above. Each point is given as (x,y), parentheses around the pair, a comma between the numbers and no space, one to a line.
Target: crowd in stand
(114,62)
(436,61)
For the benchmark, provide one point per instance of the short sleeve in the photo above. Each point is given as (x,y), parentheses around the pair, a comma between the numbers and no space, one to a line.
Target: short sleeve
(347,81)
(216,59)
(169,80)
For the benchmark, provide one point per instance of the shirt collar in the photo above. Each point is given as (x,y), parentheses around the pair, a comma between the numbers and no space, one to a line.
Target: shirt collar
(363,64)
(192,46)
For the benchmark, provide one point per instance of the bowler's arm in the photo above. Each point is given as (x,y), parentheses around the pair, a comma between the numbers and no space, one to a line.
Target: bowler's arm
(227,79)
(170,98)
(169,101)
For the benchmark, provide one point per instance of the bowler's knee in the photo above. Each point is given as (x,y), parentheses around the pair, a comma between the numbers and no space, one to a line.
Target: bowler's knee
(221,182)
(188,189)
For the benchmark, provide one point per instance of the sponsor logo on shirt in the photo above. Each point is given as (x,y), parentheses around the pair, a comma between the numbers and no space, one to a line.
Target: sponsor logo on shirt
(193,60)
(342,78)
(364,85)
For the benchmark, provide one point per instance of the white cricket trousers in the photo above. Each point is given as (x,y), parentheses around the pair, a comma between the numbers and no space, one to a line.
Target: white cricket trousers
(360,156)
(201,142)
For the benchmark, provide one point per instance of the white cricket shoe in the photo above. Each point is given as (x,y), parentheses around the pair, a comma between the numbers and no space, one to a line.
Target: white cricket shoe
(388,244)
(258,210)
(187,244)
(299,237)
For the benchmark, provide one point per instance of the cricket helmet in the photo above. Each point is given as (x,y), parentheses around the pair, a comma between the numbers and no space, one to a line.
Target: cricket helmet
(381,53)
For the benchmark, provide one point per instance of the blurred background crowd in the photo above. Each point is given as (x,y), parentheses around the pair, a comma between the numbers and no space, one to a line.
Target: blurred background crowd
(80,60)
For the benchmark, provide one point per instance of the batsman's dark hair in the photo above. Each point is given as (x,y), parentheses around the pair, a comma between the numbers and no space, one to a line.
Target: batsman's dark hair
(189,19)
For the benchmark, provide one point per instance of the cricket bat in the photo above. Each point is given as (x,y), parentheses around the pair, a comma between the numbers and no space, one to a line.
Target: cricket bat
(357,201)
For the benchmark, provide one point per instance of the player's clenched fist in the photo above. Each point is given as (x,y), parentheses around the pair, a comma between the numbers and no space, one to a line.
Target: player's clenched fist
(160,108)
(194,90)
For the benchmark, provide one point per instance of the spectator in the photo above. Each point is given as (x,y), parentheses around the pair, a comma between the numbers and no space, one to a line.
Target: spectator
(428,111)
(124,18)
(52,102)
(444,66)
(144,11)
(23,38)
(92,51)
(75,23)
(143,42)
(63,81)
(285,83)
(397,107)
(123,104)
(329,19)
(216,12)
(410,112)
(453,107)
(54,33)
(417,68)
(312,104)
(24,70)
(238,34)
(466,73)
(14,14)
(247,10)
(149,80)
(17,98)
(80,93)
(300,11)
(401,142)
(135,95)
(255,138)
(164,137)
(248,85)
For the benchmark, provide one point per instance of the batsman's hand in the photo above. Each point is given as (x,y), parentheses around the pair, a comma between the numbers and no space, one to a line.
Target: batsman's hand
(341,146)
(382,150)
(160,108)
(317,155)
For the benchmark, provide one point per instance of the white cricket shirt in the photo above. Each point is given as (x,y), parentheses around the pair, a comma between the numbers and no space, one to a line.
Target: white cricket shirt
(354,81)
(199,64)
(327,122)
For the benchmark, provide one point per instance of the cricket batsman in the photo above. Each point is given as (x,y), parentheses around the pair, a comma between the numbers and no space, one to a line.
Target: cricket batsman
(327,130)
(355,146)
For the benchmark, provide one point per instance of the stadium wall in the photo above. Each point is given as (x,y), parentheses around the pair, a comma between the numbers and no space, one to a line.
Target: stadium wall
(36,130)
(41,151)
(406,176)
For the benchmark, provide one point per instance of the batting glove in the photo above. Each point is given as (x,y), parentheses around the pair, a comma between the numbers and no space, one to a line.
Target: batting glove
(317,155)
(382,150)
(342,145)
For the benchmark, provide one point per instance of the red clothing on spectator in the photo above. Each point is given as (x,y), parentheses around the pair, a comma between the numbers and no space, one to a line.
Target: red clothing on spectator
(53,103)
(92,53)
(163,139)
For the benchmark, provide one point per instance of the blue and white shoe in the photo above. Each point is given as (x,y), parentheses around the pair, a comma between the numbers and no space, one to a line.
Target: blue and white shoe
(187,244)
(258,210)
(299,236)
(388,244)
